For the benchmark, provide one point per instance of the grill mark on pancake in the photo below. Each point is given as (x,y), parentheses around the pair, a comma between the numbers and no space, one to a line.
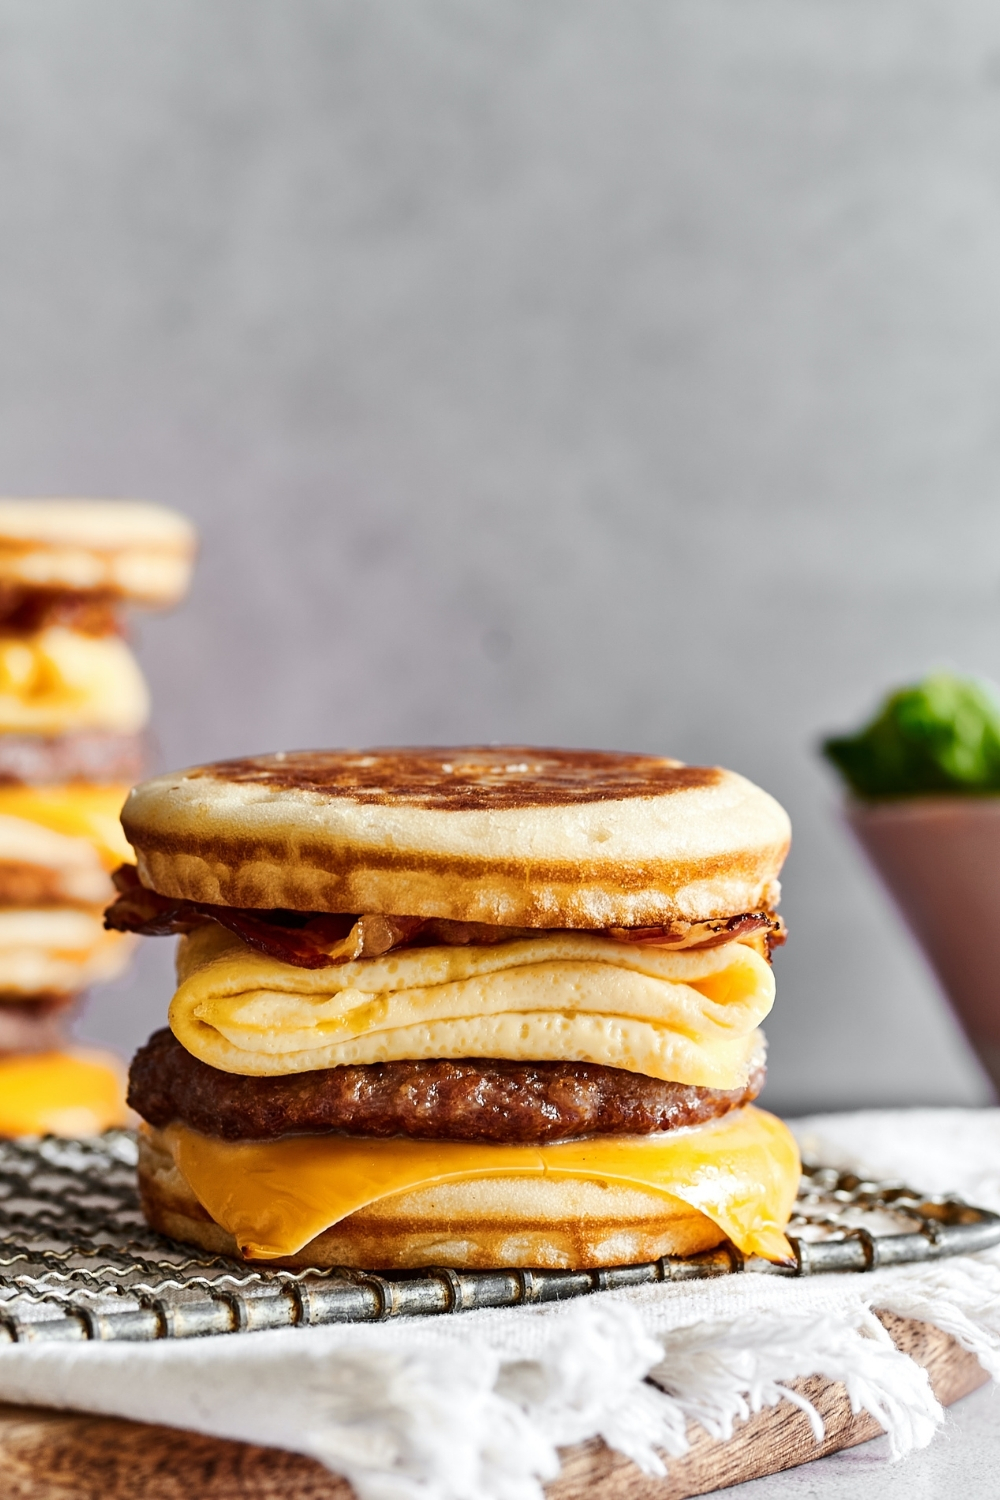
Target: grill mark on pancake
(468,1099)
(246,873)
(340,862)
(464,778)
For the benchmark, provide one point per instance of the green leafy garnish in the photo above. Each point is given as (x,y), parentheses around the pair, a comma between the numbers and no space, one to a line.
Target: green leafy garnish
(941,735)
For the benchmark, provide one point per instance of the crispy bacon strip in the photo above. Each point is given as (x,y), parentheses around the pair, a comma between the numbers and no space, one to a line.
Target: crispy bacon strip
(307,940)
(706,934)
(320,940)
(24,610)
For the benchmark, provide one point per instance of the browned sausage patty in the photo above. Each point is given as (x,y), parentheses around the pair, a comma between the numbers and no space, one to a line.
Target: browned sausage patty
(36,1025)
(39,760)
(474,1099)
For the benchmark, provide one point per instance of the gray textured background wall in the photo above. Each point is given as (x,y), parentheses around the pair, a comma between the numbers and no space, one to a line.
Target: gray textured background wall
(609,374)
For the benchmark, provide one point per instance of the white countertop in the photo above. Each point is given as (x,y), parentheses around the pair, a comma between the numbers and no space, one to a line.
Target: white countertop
(962,1461)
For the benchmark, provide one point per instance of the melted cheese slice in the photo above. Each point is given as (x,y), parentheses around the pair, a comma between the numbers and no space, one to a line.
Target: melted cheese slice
(273,1197)
(689,1017)
(61,1093)
(76,819)
(57,681)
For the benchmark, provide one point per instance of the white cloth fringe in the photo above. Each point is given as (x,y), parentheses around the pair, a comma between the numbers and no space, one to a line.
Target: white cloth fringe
(476,1407)
(474,1428)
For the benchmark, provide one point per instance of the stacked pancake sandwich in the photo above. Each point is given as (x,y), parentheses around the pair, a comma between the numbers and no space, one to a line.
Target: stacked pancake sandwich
(471,1008)
(73,706)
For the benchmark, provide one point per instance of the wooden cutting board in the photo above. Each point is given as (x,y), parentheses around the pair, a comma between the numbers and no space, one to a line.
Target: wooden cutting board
(48,1455)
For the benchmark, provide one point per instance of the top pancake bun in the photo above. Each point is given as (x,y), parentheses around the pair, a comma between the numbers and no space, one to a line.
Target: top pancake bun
(501,834)
(128,549)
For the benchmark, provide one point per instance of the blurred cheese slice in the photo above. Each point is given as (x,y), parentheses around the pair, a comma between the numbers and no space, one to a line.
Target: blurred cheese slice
(59,681)
(690,1017)
(78,812)
(741,1172)
(78,1092)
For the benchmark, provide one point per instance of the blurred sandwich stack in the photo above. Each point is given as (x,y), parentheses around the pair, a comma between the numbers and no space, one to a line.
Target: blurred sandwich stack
(73,711)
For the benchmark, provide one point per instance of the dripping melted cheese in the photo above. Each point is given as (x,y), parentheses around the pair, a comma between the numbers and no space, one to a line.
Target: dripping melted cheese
(741,1172)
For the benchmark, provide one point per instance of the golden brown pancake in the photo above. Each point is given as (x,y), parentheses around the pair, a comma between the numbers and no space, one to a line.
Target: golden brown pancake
(498,834)
(122,549)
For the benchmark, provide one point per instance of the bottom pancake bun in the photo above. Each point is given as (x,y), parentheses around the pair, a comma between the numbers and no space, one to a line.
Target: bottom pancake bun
(479,1224)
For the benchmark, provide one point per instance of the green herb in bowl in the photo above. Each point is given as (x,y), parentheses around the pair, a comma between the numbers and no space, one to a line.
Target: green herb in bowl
(940,735)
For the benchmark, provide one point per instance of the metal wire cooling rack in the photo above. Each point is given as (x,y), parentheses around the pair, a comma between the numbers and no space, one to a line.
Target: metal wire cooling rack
(78,1262)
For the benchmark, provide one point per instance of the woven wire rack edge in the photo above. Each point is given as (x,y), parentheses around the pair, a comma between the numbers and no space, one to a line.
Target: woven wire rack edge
(77,1263)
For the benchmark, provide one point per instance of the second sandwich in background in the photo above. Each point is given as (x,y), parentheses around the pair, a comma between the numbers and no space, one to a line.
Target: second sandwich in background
(478,1007)
(73,708)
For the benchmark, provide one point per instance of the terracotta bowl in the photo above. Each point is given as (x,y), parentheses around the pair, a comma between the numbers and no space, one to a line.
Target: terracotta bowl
(940,858)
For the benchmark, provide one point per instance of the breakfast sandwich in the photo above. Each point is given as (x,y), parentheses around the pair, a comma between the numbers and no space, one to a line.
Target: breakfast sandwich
(58,848)
(73,708)
(476,1007)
